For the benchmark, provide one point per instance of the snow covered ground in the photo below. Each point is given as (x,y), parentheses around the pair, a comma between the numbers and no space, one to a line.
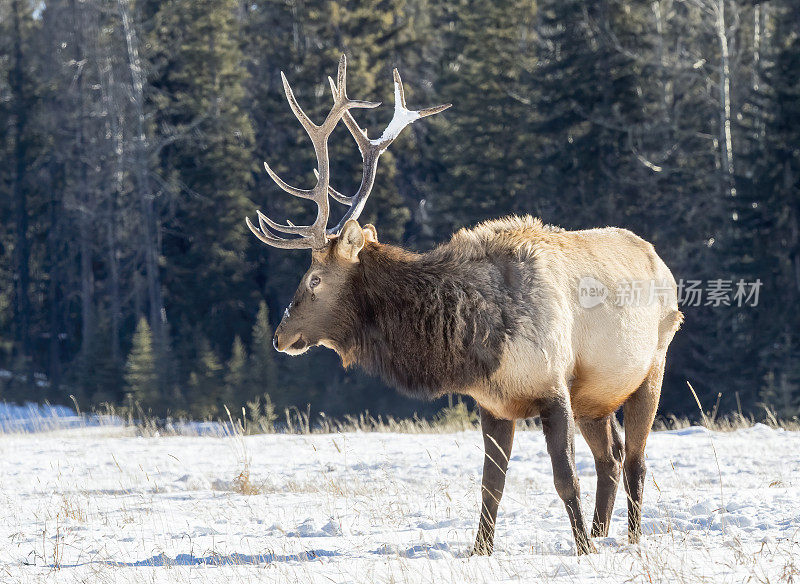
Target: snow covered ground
(32,417)
(99,504)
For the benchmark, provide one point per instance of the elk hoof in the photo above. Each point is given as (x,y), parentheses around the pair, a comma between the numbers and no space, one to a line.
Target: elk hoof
(586,547)
(482,548)
(599,531)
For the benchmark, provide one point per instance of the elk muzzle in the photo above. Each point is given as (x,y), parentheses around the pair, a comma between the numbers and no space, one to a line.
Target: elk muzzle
(291,343)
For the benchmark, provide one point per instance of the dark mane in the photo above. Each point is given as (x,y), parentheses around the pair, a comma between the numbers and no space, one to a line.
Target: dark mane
(435,322)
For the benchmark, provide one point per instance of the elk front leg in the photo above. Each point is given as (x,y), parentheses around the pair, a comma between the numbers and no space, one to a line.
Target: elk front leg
(498,436)
(559,433)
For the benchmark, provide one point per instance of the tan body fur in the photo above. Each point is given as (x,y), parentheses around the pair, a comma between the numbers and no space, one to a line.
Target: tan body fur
(601,354)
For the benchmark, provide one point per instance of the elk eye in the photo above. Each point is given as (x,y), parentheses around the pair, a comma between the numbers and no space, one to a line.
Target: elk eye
(313,282)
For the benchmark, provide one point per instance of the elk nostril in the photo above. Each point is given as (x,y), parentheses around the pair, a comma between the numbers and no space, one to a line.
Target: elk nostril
(275,342)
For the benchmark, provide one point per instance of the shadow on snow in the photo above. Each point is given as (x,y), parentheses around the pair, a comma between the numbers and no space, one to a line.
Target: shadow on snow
(212,560)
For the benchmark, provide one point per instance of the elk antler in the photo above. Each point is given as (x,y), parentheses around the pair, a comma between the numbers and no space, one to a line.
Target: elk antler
(315,235)
(371,150)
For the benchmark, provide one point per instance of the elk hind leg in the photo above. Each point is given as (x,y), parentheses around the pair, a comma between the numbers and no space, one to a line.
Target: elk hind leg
(603,437)
(639,411)
(559,434)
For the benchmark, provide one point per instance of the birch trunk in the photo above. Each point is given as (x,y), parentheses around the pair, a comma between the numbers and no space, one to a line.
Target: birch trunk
(726,139)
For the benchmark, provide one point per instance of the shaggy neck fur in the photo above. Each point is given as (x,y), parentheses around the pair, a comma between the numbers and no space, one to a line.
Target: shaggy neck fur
(430,323)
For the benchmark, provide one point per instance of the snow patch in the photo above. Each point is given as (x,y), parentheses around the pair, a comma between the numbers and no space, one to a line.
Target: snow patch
(366,508)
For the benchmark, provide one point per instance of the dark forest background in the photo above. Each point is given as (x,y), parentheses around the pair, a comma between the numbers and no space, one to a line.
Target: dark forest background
(132,135)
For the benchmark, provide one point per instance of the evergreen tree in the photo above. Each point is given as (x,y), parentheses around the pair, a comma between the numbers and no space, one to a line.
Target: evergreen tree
(589,107)
(141,379)
(20,146)
(260,415)
(101,377)
(486,140)
(261,373)
(236,376)
(764,240)
(197,98)
(206,394)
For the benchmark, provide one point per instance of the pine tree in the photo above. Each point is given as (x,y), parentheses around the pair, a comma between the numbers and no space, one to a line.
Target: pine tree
(236,376)
(260,417)
(141,379)
(101,376)
(589,108)
(261,376)
(764,234)
(19,148)
(206,387)
(198,100)
(486,140)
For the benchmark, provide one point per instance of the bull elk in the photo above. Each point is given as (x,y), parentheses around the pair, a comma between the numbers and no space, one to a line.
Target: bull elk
(496,314)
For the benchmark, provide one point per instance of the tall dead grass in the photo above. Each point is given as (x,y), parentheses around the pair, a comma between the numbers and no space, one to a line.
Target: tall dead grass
(260,416)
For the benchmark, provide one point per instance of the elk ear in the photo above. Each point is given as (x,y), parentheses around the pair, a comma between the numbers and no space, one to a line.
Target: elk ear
(351,241)
(370,233)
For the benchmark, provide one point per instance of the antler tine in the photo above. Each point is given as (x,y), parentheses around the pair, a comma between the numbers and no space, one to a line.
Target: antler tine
(336,195)
(305,121)
(400,98)
(275,241)
(291,229)
(359,134)
(342,103)
(341,77)
(371,150)
(424,113)
(399,92)
(302,193)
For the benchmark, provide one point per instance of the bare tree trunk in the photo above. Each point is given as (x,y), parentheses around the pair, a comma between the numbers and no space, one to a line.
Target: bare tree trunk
(756,46)
(113,260)
(760,39)
(87,287)
(83,194)
(656,7)
(54,279)
(726,139)
(144,190)
(794,231)
(22,248)
(114,124)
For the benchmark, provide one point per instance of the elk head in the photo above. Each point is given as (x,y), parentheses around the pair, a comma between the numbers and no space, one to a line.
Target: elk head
(316,310)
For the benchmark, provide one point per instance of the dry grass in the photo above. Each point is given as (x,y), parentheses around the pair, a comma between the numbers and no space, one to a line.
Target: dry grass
(712,419)
(243,485)
(71,508)
(725,423)
(260,417)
